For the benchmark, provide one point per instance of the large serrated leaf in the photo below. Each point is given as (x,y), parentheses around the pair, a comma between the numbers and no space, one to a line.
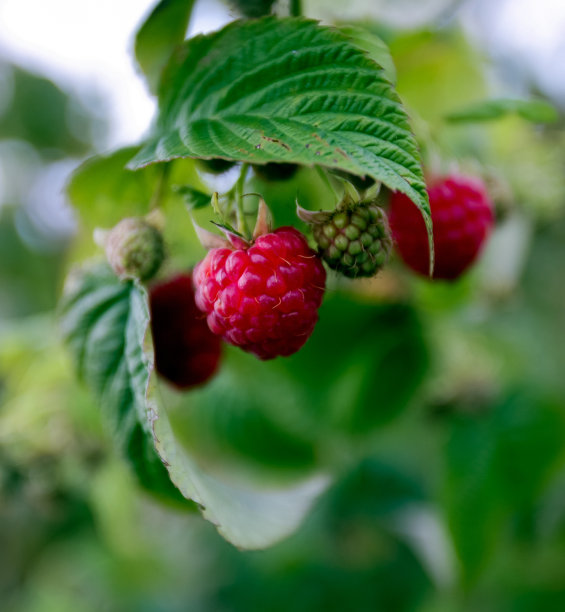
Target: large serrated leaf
(105,323)
(248,517)
(285,90)
(374,45)
(162,31)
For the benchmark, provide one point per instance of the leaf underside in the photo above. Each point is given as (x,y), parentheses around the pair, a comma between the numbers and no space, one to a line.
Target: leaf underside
(285,90)
(103,322)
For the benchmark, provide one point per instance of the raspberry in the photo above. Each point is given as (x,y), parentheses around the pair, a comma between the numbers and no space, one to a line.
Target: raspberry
(462,216)
(187,353)
(264,297)
(354,239)
(135,249)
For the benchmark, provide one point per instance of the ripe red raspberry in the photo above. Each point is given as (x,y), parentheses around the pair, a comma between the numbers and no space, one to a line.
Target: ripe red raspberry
(186,351)
(264,297)
(462,216)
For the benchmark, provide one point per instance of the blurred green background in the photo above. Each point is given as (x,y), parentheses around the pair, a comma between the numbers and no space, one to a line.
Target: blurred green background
(439,410)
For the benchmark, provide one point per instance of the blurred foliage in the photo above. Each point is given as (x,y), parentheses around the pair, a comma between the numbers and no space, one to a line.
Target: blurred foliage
(440,410)
(38,289)
(38,111)
(537,111)
(163,30)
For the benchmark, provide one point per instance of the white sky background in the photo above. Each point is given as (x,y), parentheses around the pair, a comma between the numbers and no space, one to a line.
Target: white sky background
(83,46)
(86,45)
(527,34)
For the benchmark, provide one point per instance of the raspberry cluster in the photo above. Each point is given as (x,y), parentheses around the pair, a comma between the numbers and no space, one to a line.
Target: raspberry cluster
(262,297)
(462,216)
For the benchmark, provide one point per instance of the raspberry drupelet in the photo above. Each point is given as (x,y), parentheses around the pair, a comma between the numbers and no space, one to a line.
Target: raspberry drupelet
(263,297)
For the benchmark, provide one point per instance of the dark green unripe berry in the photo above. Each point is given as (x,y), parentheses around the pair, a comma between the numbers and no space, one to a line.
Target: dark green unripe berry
(135,249)
(354,239)
(275,171)
(216,165)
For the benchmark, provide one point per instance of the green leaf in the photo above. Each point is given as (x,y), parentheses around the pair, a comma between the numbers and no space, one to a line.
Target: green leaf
(497,466)
(250,422)
(473,509)
(365,363)
(285,90)
(63,128)
(104,192)
(374,45)
(194,198)
(537,111)
(162,31)
(247,516)
(105,323)
(530,431)
(375,489)
(253,8)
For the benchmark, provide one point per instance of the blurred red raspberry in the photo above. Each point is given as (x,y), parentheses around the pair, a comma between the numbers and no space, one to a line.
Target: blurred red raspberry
(462,216)
(187,353)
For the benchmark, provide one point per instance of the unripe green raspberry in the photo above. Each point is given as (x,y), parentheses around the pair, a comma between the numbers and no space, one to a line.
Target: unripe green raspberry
(354,239)
(135,249)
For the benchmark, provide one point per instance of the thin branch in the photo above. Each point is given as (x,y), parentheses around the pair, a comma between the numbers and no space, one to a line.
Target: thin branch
(295,8)
(241,222)
(159,192)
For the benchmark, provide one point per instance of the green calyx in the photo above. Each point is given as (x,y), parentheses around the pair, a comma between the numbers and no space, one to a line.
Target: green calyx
(135,249)
(354,239)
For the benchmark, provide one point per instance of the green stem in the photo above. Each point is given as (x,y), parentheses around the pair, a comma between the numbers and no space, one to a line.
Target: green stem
(161,187)
(295,8)
(241,222)
(322,174)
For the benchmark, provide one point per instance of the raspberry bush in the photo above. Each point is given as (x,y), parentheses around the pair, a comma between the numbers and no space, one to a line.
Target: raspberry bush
(418,429)
(262,291)
(251,386)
